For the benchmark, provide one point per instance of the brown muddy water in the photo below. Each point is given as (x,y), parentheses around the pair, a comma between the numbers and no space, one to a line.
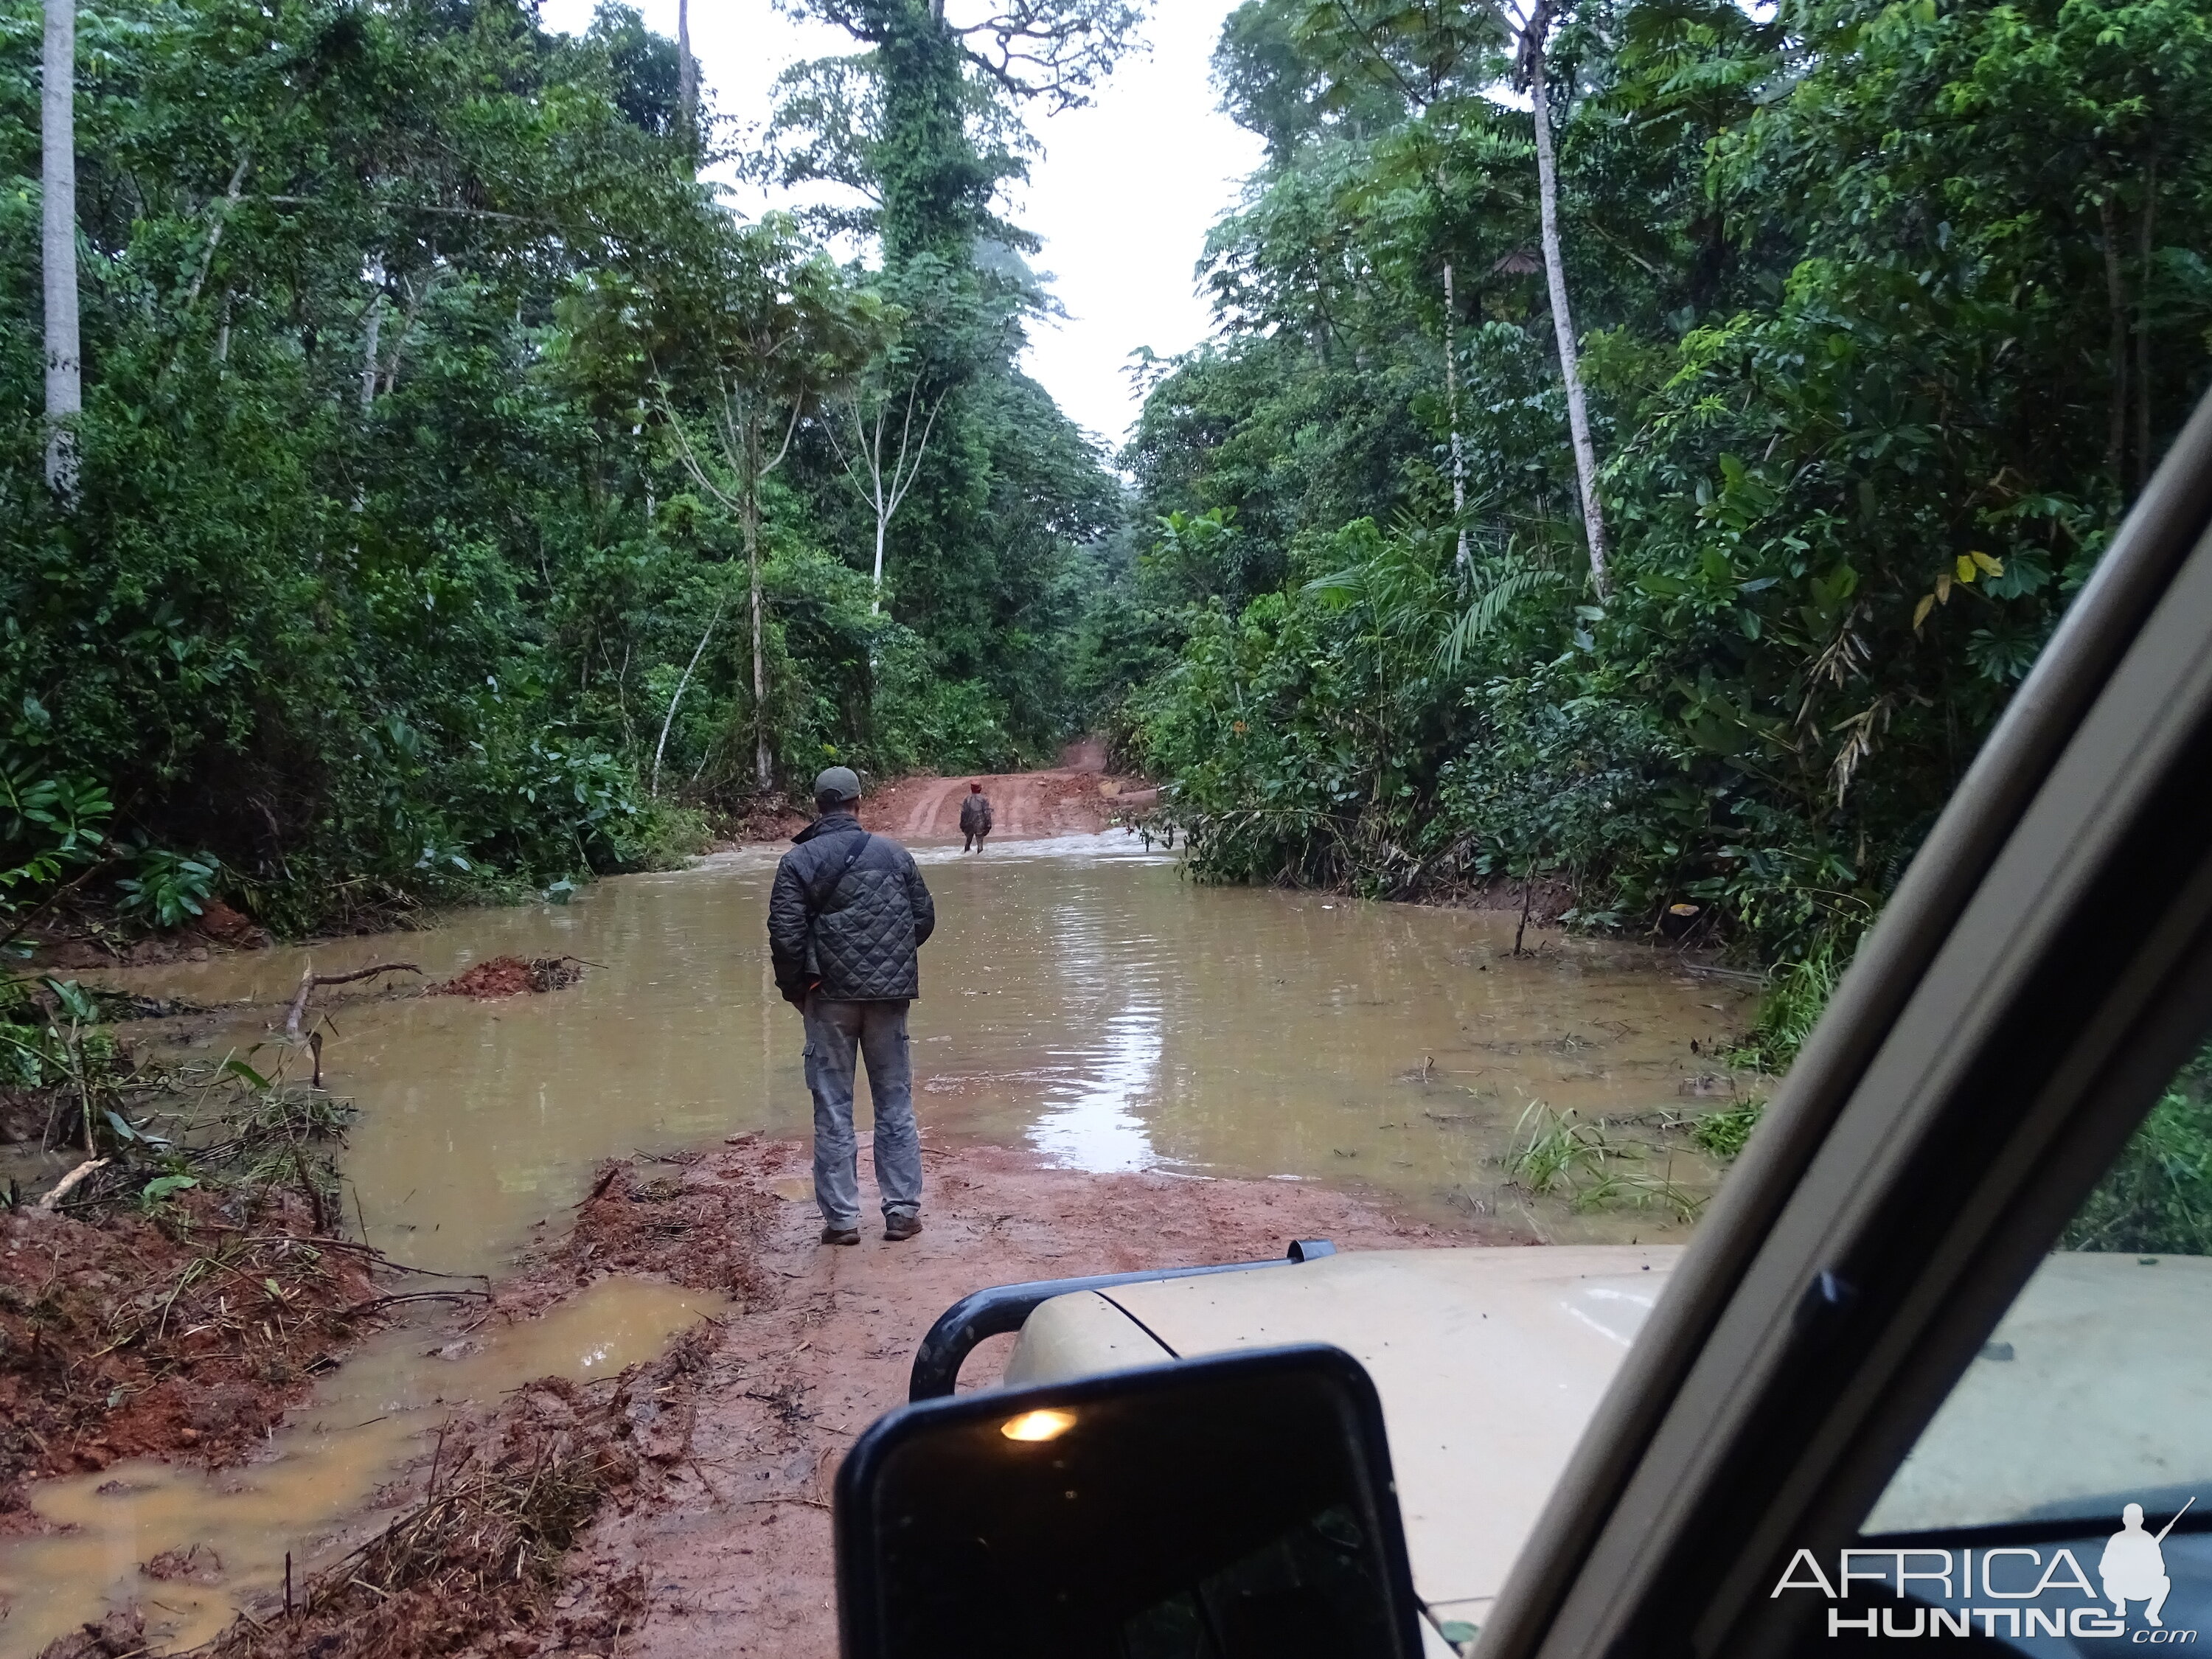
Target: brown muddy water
(1080,998)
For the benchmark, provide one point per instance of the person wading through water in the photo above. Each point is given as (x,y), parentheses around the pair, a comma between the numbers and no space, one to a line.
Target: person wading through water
(846,919)
(975,819)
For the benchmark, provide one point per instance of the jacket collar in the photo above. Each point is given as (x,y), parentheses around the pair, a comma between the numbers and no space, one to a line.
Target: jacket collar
(830,823)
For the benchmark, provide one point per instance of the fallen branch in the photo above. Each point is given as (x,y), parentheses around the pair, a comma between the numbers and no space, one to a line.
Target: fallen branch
(309,979)
(62,1188)
(378,1303)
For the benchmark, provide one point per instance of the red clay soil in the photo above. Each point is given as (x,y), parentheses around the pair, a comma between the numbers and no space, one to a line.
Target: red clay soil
(512,977)
(120,1338)
(683,1508)
(645,1216)
(1077,797)
(473,1566)
(733,1548)
(218,927)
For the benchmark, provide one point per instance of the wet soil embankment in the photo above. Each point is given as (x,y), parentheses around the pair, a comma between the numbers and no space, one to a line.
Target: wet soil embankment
(120,1337)
(683,1507)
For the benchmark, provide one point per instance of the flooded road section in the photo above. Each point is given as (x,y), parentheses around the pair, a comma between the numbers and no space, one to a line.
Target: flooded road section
(1081,999)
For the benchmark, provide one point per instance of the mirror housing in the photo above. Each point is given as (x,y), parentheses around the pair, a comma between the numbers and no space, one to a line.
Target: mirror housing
(1227,1507)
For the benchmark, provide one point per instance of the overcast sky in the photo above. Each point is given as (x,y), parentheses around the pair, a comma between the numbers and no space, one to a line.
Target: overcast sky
(1123,194)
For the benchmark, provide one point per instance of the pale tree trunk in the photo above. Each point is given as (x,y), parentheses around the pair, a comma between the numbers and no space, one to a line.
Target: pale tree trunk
(744,447)
(1563,322)
(58,139)
(676,697)
(687,81)
(368,345)
(214,231)
(880,481)
(1451,399)
(763,765)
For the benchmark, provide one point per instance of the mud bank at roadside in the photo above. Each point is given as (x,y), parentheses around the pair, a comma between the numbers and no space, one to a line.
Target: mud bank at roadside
(121,1337)
(682,1507)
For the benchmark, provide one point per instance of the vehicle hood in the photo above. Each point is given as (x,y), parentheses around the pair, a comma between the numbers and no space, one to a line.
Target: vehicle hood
(1489,1363)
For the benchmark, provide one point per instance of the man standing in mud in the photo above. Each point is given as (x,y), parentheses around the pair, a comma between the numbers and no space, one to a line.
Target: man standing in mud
(975,819)
(846,919)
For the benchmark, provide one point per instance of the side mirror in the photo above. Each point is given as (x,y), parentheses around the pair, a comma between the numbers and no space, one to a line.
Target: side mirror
(1234,1507)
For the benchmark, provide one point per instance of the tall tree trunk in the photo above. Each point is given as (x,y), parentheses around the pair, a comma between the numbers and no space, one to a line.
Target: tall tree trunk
(1451,399)
(876,599)
(763,765)
(687,81)
(375,328)
(2143,326)
(214,231)
(1563,321)
(58,140)
(676,698)
(2116,307)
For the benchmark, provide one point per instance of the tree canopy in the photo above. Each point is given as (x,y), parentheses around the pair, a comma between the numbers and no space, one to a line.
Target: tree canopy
(1886,310)
(430,404)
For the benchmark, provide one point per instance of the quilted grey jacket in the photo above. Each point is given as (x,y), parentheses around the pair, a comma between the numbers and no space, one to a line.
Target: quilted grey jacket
(851,932)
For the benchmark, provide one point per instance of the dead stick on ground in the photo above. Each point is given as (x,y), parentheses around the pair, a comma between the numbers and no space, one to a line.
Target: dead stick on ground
(62,1189)
(309,979)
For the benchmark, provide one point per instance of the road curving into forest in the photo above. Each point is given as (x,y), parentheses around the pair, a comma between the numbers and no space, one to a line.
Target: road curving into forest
(1077,797)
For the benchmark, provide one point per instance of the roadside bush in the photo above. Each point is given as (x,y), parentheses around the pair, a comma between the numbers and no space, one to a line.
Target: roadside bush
(1580,783)
(2157,1197)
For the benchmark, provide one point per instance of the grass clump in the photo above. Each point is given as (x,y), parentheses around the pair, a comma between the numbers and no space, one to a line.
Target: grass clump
(1792,1007)
(1582,1162)
(1724,1132)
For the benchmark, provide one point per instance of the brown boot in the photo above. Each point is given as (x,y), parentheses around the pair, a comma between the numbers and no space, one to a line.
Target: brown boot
(898,1227)
(841,1234)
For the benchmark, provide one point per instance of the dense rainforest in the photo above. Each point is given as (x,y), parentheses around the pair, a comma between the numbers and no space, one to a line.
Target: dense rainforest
(1648,439)
(1642,442)
(463,495)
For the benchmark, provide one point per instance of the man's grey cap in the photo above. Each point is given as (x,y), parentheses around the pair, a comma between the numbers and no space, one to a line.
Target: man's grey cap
(839,780)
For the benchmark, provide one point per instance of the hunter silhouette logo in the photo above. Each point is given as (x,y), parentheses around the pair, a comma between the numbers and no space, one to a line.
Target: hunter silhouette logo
(2030,1591)
(2133,1566)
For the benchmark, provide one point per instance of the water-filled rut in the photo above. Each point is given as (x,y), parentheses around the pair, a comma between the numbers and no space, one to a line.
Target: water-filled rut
(1081,1000)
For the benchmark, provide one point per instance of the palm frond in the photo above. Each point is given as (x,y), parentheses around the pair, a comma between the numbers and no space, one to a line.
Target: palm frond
(1488,608)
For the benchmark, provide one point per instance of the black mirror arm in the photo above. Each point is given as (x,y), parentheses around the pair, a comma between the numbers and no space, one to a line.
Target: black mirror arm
(1003,1308)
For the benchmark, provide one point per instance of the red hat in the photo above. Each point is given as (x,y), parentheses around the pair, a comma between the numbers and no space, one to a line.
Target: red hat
(977,787)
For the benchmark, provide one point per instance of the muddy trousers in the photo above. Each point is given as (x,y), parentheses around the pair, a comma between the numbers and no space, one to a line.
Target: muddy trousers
(974,842)
(839,1036)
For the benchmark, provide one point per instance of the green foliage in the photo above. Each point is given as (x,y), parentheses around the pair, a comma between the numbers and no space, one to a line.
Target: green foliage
(2157,1196)
(49,826)
(1791,1006)
(168,887)
(430,404)
(1724,1132)
(1888,310)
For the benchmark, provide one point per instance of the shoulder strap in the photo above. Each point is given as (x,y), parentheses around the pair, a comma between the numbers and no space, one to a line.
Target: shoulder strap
(817,900)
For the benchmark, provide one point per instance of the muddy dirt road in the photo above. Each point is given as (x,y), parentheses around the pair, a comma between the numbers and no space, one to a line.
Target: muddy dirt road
(735,1549)
(1077,797)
